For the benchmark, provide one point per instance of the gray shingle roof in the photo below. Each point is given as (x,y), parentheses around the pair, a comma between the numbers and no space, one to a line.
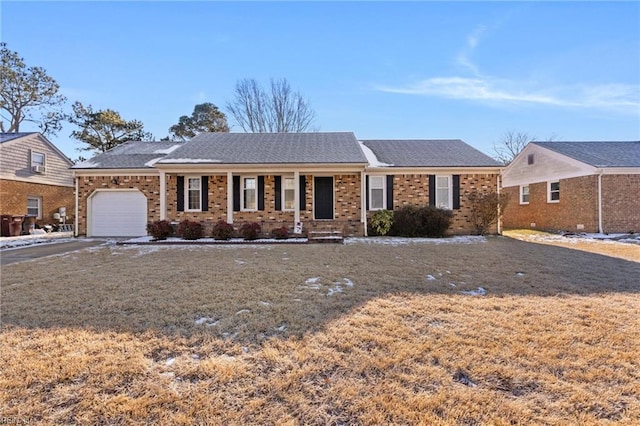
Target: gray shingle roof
(428,153)
(599,154)
(5,137)
(130,155)
(269,148)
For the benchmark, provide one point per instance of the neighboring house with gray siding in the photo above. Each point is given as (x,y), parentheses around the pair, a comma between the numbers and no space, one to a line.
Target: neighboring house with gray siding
(575,187)
(35,178)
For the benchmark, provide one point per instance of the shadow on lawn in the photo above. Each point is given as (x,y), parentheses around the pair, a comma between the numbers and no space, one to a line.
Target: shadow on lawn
(247,294)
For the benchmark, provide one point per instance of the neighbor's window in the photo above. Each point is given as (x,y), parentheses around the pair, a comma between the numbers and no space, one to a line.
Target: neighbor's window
(249,192)
(289,193)
(554,192)
(376,192)
(524,194)
(194,194)
(34,207)
(444,196)
(37,158)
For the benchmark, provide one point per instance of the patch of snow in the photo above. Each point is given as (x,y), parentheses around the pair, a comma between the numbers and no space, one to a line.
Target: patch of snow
(150,163)
(189,160)
(282,328)
(240,261)
(265,303)
(336,289)
(208,321)
(398,241)
(27,240)
(88,164)
(243,311)
(479,292)
(520,274)
(430,278)
(348,282)
(452,284)
(372,159)
(170,361)
(167,150)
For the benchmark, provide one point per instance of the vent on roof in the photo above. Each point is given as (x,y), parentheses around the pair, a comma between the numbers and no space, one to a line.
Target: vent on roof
(530,159)
(38,169)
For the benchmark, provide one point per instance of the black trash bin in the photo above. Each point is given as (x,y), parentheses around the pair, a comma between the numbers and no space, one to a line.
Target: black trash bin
(15,226)
(5,222)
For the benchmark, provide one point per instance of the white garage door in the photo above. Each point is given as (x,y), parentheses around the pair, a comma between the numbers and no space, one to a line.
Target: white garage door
(118,214)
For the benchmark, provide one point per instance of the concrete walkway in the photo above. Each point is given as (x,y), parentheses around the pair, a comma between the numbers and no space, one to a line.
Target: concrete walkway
(36,251)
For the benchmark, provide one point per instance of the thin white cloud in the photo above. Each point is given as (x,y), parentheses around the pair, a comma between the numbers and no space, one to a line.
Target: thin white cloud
(608,96)
(495,90)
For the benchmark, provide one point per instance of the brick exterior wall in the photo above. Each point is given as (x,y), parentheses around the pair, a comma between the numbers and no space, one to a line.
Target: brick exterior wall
(414,189)
(148,185)
(579,205)
(621,201)
(13,199)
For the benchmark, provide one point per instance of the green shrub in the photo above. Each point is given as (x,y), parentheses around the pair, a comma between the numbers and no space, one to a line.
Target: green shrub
(417,221)
(190,230)
(250,230)
(280,233)
(160,229)
(486,209)
(222,230)
(381,222)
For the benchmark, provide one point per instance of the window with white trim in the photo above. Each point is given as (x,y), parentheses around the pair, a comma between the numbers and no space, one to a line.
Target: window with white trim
(524,194)
(34,207)
(249,193)
(37,158)
(553,192)
(444,192)
(193,194)
(377,189)
(289,193)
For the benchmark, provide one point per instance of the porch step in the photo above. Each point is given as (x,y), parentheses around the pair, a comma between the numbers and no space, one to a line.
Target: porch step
(325,237)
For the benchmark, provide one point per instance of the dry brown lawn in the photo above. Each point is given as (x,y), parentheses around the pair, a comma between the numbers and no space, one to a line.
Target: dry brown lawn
(322,334)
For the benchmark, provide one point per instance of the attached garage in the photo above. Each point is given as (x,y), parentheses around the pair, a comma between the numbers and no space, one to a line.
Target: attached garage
(117,213)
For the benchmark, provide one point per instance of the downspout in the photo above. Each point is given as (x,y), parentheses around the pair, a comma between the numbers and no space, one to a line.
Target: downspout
(75,220)
(600,226)
(296,200)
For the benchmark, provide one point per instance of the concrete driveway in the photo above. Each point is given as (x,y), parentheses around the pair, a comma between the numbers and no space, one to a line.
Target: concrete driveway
(36,251)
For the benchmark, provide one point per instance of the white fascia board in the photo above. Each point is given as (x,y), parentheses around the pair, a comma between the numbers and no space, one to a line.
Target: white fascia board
(12,177)
(434,170)
(619,170)
(115,172)
(222,169)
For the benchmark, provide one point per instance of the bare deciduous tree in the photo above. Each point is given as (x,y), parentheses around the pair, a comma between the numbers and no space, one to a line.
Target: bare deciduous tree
(278,110)
(510,145)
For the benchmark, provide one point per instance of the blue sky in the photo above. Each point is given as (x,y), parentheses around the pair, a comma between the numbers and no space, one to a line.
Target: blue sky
(452,70)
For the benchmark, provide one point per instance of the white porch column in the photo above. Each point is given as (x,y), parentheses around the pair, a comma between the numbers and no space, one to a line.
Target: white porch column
(229,197)
(163,195)
(296,197)
(363,201)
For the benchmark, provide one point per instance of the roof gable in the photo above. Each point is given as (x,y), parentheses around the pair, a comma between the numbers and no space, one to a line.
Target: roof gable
(30,137)
(598,154)
(269,148)
(427,153)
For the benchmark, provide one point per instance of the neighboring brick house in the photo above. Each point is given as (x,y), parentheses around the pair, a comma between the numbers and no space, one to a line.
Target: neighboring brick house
(35,180)
(575,187)
(322,181)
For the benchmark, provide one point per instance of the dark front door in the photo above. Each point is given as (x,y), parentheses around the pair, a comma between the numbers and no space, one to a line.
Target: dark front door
(323,197)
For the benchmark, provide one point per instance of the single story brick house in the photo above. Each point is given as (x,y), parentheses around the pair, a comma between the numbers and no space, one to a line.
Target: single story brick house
(575,187)
(35,180)
(319,181)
